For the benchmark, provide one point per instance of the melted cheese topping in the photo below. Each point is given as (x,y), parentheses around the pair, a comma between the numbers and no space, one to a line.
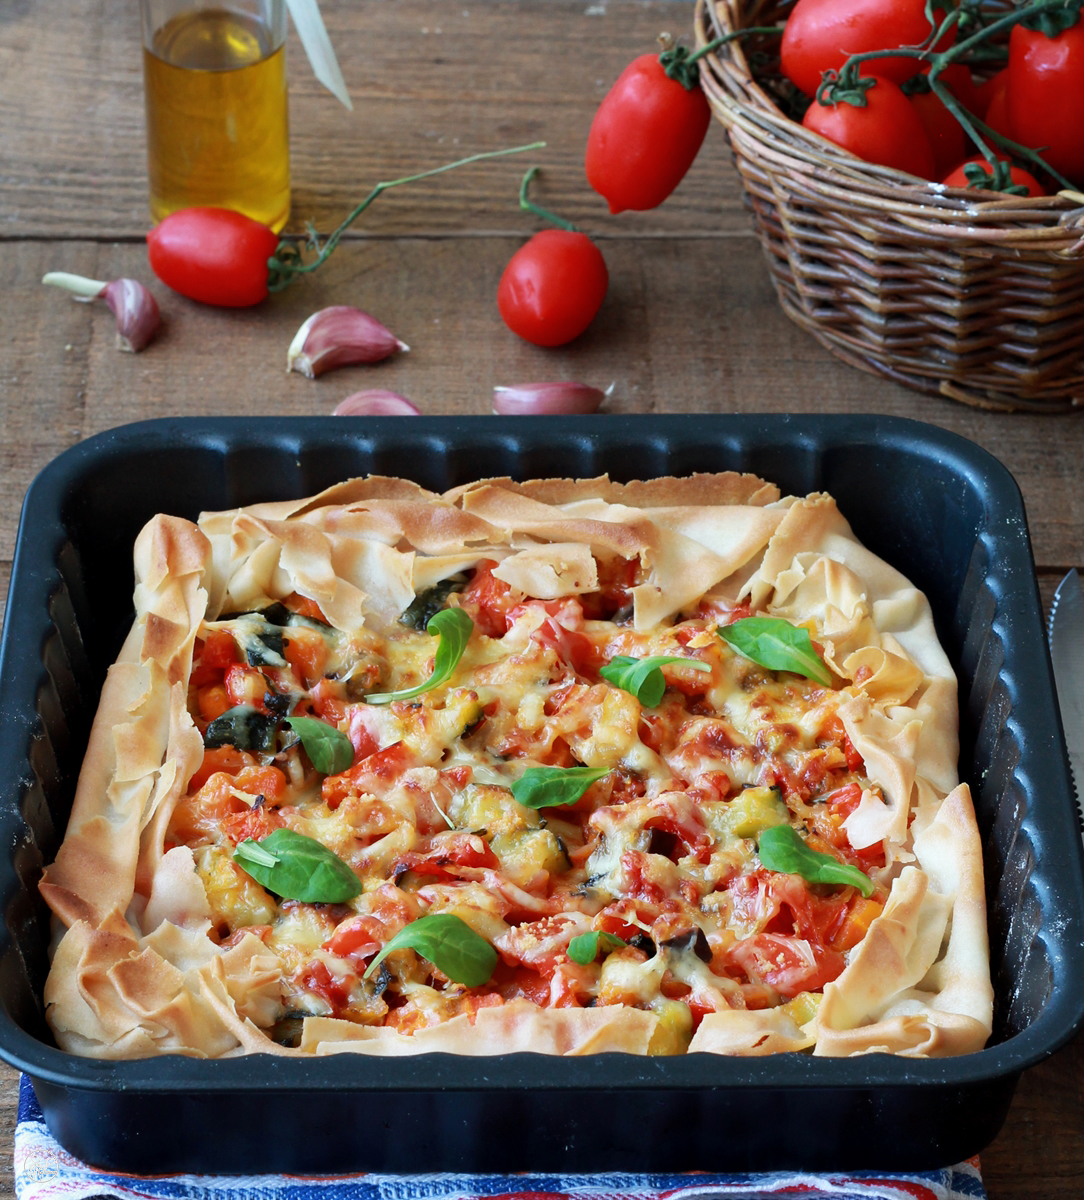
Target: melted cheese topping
(660,852)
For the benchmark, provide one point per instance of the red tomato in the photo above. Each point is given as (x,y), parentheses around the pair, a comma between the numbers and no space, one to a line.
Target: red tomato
(886,131)
(246,685)
(212,701)
(820,36)
(959,179)
(489,602)
(217,652)
(446,852)
(997,108)
(357,935)
(957,78)
(553,287)
(221,758)
(1046,95)
(645,136)
(306,652)
(947,138)
(985,91)
(213,255)
(788,964)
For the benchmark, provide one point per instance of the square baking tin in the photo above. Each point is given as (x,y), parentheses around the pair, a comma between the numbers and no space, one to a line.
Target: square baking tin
(939,508)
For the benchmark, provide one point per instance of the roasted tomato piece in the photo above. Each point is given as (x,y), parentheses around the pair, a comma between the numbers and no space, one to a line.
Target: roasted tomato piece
(488,601)
(445,854)
(788,964)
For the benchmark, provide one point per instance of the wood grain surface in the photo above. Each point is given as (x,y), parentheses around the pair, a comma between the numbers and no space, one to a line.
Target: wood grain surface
(690,323)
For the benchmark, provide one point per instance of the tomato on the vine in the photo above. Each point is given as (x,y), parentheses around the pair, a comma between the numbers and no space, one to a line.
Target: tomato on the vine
(552,287)
(984,92)
(1019,176)
(213,255)
(886,130)
(1046,95)
(947,138)
(996,95)
(820,36)
(645,136)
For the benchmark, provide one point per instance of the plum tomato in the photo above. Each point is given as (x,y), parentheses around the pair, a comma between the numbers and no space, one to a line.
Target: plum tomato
(959,179)
(886,131)
(997,104)
(984,92)
(645,136)
(213,255)
(820,35)
(1045,95)
(957,78)
(947,138)
(552,287)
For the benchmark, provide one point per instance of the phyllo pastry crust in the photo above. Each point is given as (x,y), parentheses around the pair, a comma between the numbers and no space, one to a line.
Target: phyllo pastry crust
(565,766)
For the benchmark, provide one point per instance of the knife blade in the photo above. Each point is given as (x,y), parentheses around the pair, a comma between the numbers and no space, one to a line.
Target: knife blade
(1067,655)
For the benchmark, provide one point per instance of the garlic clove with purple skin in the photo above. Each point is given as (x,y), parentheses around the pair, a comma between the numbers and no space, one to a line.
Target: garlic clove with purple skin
(338,336)
(129,301)
(544,399)
(376,402)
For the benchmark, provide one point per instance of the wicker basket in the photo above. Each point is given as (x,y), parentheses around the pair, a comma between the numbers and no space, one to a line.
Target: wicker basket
(979,301)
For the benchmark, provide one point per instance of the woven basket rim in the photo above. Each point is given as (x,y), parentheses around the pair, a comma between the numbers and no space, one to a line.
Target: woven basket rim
(1051,224)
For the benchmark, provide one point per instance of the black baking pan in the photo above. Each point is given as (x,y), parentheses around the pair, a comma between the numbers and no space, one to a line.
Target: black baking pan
(937,507)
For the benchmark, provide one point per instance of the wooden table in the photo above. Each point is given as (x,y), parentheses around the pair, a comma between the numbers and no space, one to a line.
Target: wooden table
(690,323)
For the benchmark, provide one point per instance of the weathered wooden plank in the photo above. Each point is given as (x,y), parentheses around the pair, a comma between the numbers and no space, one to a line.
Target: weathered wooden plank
(690,325)
(454,77)
(1039,1154)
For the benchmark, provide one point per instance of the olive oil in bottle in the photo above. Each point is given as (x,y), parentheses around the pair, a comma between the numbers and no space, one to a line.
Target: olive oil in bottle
(217,129)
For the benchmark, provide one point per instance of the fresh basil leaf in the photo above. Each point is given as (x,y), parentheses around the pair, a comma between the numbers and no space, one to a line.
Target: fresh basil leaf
(584,948)
(643,677)
(304,869)
(543,787)
(776,644)
(453,626)
(256,853)
(244,727)
(781,849)
(329,750)
(449,943)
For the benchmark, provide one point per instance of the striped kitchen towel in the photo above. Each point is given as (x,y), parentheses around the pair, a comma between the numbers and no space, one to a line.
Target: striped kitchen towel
(45,1171)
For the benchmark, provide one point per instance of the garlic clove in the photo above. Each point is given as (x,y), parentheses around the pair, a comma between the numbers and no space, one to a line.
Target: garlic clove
(543,399)
(135,309)
(376,403)
(338,336)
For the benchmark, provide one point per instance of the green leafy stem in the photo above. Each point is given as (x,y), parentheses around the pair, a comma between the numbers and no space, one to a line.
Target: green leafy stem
(288,262)
(530,206)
